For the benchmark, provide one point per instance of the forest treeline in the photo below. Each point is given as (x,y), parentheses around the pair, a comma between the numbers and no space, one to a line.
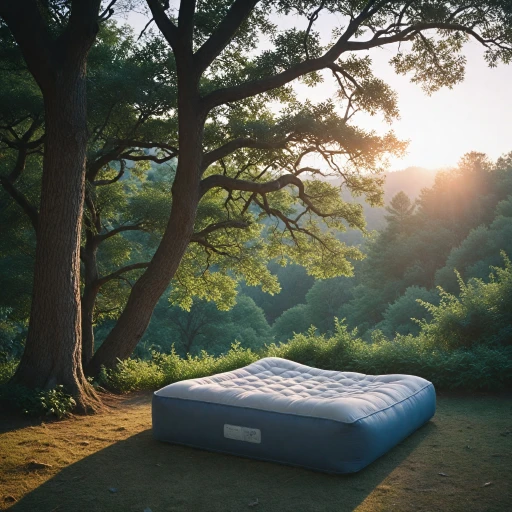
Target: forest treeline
(454,230)
(164,172)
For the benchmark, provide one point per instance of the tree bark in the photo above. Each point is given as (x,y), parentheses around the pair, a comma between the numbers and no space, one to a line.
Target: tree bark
(91,288)
(148,289)
(53,348)
(88,302)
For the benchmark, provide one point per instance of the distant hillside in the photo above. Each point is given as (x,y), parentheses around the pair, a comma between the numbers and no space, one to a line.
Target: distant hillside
(411,181)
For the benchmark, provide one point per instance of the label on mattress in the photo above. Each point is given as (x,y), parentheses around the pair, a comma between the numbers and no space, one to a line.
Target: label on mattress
(249,435)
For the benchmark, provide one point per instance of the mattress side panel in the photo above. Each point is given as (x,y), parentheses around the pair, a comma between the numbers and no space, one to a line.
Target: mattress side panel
(315,443)
(385,429)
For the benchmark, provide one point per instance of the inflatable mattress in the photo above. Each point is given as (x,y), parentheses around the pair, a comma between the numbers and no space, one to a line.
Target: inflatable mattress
(281,411)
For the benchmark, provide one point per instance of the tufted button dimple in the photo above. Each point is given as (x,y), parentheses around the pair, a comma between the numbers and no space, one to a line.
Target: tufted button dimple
(280,385)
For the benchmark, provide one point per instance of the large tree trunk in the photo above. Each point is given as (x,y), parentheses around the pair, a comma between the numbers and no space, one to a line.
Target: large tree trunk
(53,348)
(146,292)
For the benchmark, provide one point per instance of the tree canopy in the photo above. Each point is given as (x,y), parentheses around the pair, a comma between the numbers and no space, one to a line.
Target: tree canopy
(211,90)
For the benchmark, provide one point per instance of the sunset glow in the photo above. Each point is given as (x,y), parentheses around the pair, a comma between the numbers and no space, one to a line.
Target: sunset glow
(473,116)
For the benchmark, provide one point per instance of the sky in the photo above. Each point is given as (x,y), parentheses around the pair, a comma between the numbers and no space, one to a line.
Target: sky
(475,115)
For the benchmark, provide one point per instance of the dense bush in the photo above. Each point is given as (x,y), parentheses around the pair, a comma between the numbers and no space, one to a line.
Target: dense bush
(467,344)
(481,314)
(401,317)
(36,402)
(293,320)
(162,369)
(7,369)
(481,367)
(480,250)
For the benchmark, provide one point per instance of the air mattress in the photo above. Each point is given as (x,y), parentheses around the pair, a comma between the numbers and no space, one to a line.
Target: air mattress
(281,411)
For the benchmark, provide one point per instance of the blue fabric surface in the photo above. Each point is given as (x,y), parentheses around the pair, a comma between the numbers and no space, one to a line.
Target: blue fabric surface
(316,443)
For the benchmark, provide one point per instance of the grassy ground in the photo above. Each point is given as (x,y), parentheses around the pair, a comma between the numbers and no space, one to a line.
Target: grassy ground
(461,460)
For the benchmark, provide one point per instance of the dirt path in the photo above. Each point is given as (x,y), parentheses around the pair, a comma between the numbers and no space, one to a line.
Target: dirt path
(460,461)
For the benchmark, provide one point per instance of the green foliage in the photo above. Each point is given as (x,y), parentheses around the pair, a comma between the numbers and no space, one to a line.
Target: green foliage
(323,302)
(479,250)
(7,369)
(162,369)
(294,283)
(479,368)
(401,317)
(11,344)
(133,120)
(37,402)
(131,375)
(294,320)
(434,62)
(400,210)
(480,315)
(467,344)
(460,222)
(204,327)
(325,298)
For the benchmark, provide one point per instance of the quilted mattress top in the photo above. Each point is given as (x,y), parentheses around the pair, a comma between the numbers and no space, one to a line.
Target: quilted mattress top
(283,386)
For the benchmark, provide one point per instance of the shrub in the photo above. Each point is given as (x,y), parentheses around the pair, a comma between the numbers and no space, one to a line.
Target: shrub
(481,314)
(7,369)
(293,320)
(131,375)
(162,369)
(37,402)
(477,368)
(400,316)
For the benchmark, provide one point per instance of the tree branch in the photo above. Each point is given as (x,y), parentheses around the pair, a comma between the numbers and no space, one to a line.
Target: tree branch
(27,25)
(77,38)
(236,224)
(22,201)
(121,145)
(94,167)
(252,88)
(248,89)
(120,174)
(409,32)
(152,158)
(231,146)
(312,19)
(210,247)
(145,145)
(186,25)
(166,26)
(231,184)
(108,12)
(146,26)
(223,33)
(118,273)
(119,229)
(22,144)
(218,180)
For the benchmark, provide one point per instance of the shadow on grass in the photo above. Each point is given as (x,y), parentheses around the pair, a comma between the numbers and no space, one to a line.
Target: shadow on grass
(13,420)
(140,473)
